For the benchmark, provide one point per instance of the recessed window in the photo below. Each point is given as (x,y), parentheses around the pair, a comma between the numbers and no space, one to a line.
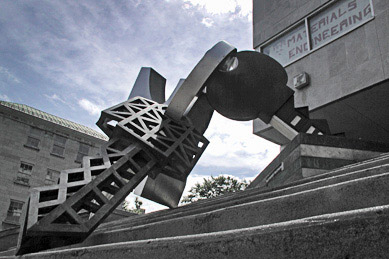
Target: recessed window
(24,174)
(22,180)
(340,17)
(59,145)
(52,177)
(289,47)
(83,150)
(25,168)
(14,211)
(33,138)
(323,26)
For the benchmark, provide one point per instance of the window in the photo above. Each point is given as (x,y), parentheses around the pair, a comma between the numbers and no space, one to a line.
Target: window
(14,211)
(82,151)
(23,180)
(25,168)
(24,174)
(289,46)
(59,145)
(33,138)
(323,26)
(343,16)
(52,177)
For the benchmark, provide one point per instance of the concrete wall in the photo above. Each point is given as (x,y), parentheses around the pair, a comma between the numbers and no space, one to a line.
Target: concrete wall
(14,128)
(271,17)
(351,63)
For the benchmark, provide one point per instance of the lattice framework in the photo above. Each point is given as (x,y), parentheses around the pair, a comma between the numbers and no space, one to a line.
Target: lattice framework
(143,142)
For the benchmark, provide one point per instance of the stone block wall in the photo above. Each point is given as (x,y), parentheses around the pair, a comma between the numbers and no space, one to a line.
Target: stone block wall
(15,129)
(353,62)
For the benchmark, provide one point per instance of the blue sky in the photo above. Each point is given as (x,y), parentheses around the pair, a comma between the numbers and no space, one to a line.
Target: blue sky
(74,58)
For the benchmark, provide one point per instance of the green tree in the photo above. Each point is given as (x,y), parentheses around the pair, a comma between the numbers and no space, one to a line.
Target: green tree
(214,187)
(138,210)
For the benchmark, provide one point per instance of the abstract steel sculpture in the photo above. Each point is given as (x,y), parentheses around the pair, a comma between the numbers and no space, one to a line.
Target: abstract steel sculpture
(154,144)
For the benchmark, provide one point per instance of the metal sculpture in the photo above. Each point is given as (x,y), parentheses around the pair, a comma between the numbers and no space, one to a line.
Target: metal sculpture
(154,144)
(252,86)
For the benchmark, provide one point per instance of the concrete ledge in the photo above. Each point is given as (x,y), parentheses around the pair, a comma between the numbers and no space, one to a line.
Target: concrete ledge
(121,229)
(354,234)
(363,169)
(351,195)
(368,168)
(9,237)
(316,153)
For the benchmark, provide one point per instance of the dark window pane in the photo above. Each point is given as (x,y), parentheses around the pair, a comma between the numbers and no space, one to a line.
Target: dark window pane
(32,142)
(52,175)
(57,150)
(60,140)
(59,145)
(14,211)
(79,157)
(84,149)
(35,132)
(25,168)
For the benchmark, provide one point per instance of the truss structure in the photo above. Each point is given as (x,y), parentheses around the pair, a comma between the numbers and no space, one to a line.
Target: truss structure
(143,142)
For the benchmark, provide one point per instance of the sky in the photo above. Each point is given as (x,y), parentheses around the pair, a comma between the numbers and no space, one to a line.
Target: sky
(75,58)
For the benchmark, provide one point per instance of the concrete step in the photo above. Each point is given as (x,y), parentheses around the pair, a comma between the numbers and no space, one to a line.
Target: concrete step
(377,166)
(354,194)
(164,223)
(9,252)
(353,234)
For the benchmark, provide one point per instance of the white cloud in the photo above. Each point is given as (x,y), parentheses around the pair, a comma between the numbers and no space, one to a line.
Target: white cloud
(233,145)
(4,72)
(90,54)
(55,98)
(90,107)
(4,97)
(244,7)
(207,22)
(100,48)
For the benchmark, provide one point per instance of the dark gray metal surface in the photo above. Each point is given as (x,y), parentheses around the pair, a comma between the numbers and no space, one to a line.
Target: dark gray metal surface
(180,82)
(194,83)
(255,88)
(149,84)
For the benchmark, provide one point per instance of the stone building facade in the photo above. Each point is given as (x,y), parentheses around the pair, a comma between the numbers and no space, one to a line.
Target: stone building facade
(34,147)
(336,54)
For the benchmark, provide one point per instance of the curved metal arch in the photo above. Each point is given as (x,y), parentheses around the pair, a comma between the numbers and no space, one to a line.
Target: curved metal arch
(194,83)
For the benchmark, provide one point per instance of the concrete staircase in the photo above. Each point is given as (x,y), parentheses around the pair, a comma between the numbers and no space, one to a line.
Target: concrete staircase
(339,214)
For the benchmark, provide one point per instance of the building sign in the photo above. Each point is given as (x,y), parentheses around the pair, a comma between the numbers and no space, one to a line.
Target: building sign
(290,46)
(324,26)
(340,18)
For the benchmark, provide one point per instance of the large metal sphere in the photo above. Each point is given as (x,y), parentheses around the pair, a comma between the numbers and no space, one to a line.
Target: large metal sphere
(242,89)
